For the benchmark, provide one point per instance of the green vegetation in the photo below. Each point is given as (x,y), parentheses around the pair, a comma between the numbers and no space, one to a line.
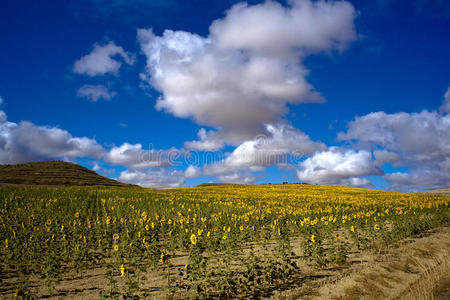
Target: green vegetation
(210,242)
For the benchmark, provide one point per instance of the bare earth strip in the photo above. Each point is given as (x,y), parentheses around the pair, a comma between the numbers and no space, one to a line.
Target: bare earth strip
(413,269)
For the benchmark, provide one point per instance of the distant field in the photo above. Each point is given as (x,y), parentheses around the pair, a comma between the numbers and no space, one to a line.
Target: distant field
(438,192)
(229,241)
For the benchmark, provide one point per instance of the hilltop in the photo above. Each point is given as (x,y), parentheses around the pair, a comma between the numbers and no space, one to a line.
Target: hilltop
(209,184)
(445,191)
(53,173)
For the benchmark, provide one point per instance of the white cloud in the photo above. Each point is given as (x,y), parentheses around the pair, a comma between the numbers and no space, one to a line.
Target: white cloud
(423,135)
(96,167)
(160,178)
(136,157)
(420,178)
(274,30)
(384,156)
(192,172)
(25,142)
(103,60)
(282,147)
(340,167)
(208,141)
(419,137)
(283,144)
(95,92)
(243,75)
(3,117)
(237,177)
(103,171)
(421,142)
(445,108)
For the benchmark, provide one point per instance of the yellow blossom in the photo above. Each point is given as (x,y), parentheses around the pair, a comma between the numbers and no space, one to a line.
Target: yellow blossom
(193,239)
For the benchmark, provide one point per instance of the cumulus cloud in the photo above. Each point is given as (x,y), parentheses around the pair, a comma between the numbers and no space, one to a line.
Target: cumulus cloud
(96,167)
(384,156)
(420,140)
(445,108)
(283,146)
(237,177)
(104,171)
(207,141)
(103,60)
(4,118)
(246,72)
(274,30)
(24,141)
(192,172)
(135,157)
(339,167)
(154,178)
(95,92)
(284,143)
(419,137)
(420,178)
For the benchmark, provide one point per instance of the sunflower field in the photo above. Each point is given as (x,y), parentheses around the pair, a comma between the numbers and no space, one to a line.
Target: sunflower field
(202,242)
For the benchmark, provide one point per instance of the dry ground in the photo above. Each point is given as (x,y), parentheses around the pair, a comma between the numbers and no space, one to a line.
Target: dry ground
(416,268)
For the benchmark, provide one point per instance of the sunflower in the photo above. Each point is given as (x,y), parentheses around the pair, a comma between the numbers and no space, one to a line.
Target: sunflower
(193,239)
(163,258)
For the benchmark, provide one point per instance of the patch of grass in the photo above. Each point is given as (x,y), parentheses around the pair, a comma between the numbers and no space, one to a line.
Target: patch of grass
(351,293)
(370,287)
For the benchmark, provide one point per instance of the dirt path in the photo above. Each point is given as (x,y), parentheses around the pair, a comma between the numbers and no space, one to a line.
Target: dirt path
(417,268)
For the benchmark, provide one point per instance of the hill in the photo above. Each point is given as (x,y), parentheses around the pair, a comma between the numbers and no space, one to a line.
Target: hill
(445,191)
(208,184)
(50,173)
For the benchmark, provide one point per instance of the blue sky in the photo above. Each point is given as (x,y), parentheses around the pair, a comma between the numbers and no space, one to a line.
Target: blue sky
(175,93)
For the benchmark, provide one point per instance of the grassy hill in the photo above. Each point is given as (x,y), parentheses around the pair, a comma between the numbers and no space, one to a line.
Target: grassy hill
(445,191)
(209,184)
(53,173)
